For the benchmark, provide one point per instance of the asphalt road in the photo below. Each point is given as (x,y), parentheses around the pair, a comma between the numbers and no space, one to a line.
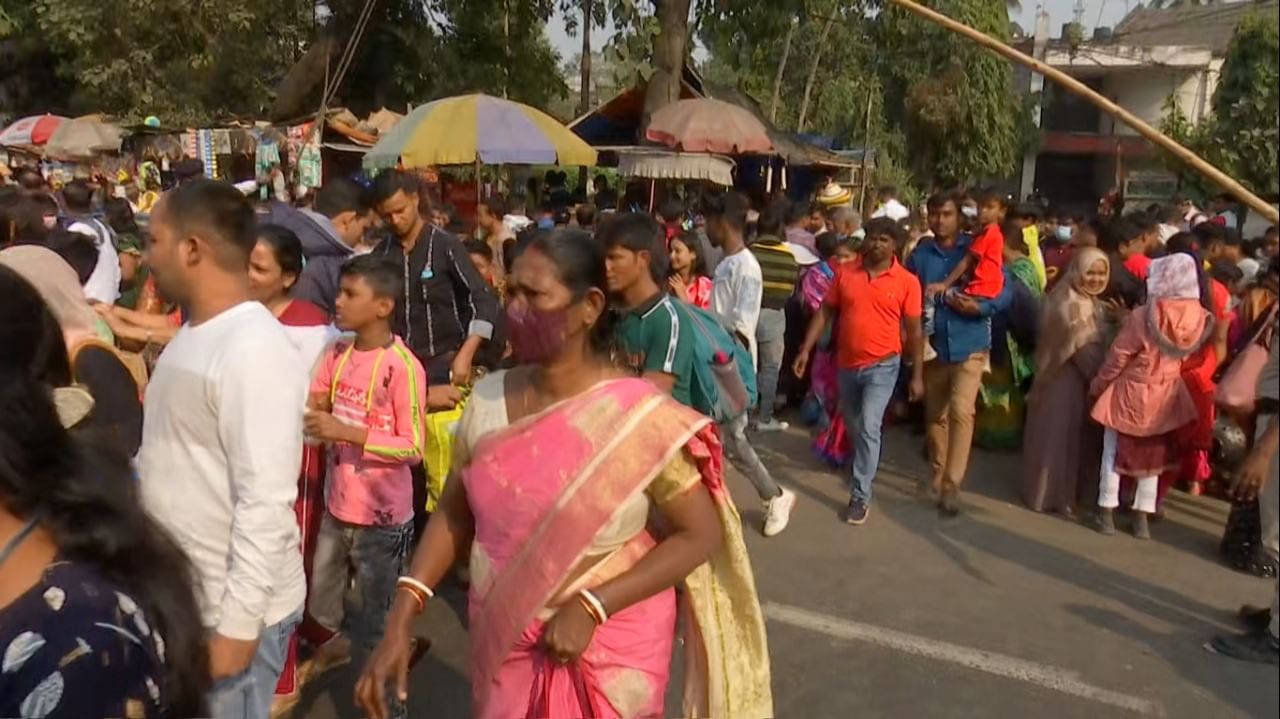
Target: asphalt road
(997,613)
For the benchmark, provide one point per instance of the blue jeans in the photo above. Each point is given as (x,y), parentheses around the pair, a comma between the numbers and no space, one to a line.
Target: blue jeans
(865,393)
(771,333)
(249,695)
(377,554)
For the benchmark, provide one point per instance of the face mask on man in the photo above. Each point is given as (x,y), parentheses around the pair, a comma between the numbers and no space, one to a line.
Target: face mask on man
(1063,233)
(970,212)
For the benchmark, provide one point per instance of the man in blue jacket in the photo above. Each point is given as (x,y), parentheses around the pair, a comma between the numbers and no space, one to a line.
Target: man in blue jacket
(962,341)
(329,234)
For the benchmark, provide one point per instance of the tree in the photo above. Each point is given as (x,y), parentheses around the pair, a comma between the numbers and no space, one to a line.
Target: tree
(1242,137)
(582,16)
(184,60)
(954,100)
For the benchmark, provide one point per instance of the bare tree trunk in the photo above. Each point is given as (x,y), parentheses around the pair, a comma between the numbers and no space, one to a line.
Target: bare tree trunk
(813,70)
(668,56)
(584,102)
(506,46)
(782,67)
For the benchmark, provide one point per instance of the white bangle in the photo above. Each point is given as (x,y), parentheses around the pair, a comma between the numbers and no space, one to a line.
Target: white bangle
(597,606)
(411,582)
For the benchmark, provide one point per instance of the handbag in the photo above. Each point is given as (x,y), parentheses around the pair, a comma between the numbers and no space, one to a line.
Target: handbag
(437,452)
(1237,390)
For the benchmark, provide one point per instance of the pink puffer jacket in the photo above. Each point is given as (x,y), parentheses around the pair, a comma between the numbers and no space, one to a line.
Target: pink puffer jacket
(1139,388)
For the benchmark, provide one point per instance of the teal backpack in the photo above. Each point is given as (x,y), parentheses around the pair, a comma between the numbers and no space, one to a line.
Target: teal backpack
(723,385)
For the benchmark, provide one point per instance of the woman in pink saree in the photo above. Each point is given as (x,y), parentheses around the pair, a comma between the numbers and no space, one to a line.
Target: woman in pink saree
(585,497)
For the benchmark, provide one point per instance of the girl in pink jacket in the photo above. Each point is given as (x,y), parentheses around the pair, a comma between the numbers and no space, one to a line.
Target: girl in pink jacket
(1141,398)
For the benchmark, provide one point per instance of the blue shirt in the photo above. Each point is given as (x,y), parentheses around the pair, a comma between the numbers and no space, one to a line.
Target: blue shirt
(956,336)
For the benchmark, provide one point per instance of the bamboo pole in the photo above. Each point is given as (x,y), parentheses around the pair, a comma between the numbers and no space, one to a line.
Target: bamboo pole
(1218,177)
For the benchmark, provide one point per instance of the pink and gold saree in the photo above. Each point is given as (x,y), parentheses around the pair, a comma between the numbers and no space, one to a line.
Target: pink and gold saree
(574,482)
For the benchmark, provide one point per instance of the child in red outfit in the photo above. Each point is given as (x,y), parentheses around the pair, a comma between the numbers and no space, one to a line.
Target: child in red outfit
(984,264)
(985,260)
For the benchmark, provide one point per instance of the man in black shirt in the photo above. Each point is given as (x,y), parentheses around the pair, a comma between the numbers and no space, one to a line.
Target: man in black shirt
(448,313)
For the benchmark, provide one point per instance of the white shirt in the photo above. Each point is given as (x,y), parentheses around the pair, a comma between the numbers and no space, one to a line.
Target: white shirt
(736,291)
(892,209)
(104,283)
(221,450)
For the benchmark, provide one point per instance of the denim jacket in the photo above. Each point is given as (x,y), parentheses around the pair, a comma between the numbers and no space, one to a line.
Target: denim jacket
(956,336)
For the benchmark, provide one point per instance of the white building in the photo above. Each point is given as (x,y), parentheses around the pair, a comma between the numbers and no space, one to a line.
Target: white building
(1152,56)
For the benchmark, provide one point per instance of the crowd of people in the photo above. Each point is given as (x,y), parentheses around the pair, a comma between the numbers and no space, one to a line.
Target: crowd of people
(221,415)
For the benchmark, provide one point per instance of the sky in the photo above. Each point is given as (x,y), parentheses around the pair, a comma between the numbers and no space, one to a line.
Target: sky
(1060,12)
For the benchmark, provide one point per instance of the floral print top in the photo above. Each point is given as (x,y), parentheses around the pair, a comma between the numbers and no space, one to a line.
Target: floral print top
(74,645)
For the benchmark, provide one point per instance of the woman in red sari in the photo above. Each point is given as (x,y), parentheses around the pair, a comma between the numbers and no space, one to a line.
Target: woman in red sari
(274,266)
(585,496)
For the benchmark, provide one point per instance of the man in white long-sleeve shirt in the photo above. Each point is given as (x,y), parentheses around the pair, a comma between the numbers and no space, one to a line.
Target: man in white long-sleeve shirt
(736,293)
(222,443)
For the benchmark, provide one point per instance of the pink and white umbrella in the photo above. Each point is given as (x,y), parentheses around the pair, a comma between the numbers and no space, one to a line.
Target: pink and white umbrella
(31,131)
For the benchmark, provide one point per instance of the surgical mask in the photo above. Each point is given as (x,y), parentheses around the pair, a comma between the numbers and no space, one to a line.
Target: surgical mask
(859,234)
(546,223)
(970,212)
(1062,232)
(536,335)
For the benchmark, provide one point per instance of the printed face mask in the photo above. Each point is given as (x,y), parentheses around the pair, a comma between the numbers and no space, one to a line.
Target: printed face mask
(536,335)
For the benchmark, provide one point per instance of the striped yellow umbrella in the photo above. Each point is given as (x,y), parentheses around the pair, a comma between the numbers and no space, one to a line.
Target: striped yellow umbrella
(478,128)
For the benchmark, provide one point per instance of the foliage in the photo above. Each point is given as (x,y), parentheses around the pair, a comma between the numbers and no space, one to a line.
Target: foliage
(1180,129)
(179,59)
(954,100)
(1243,135)
(935,92)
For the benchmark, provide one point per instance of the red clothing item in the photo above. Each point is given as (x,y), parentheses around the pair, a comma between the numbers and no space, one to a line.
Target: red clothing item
(988,270)
(872,310)
(301,313)
(1139,265)
(700,292)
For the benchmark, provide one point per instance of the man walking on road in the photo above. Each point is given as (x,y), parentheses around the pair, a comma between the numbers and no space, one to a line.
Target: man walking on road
(962,341)
(779,272)
(873,298)
(222,443)
(659,346)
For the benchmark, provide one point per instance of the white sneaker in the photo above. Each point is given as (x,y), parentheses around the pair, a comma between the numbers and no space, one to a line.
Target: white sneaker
(777,513)
(772,425)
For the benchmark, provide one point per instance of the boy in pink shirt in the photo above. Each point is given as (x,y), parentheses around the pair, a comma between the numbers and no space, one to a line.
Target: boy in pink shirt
(367,401)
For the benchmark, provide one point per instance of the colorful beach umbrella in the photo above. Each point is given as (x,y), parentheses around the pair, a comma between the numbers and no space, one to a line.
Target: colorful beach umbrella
(706,125)
(31,131)
(469,128)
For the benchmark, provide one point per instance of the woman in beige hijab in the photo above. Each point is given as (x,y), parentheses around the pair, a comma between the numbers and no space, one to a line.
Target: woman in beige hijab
(1062,446)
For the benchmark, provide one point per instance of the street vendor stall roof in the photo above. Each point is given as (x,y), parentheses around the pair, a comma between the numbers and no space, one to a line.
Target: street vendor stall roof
(655,163)
(617,121)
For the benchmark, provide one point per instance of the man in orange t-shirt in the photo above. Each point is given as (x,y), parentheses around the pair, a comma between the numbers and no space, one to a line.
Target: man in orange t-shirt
(873,298)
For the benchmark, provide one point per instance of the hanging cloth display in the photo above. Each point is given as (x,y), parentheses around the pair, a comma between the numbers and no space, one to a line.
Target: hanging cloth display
(309,165)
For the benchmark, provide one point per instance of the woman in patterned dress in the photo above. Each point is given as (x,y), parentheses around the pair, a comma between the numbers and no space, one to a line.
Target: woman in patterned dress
(96,603)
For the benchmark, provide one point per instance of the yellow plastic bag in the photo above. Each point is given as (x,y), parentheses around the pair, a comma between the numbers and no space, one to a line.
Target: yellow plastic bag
(438,453)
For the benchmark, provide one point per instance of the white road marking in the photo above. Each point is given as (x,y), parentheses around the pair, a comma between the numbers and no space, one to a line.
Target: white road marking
(1042,675)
